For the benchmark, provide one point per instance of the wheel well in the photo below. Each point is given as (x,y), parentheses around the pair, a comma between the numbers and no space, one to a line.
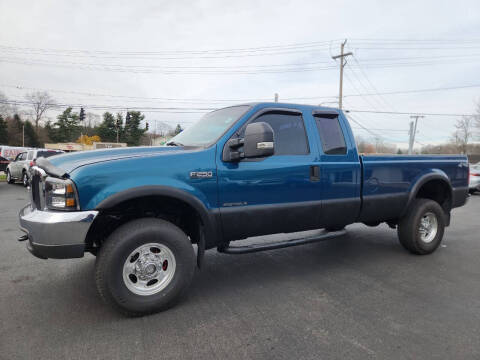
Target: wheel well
(437,190)
(167,208)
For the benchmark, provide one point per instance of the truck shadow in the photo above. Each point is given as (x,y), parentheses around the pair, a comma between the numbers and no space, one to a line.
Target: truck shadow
(227,278)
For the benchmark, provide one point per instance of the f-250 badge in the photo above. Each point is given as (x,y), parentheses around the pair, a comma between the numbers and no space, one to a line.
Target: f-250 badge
(200,174)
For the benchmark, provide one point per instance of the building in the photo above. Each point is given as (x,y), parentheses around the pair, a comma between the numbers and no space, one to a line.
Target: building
(82,147)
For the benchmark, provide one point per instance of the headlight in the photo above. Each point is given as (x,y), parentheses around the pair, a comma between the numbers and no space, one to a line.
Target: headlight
(60,194)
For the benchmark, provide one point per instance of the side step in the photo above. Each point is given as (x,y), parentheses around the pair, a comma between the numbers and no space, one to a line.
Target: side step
(235,250)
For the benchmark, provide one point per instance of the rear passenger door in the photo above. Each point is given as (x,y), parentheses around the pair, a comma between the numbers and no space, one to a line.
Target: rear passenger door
(339,168)
(276,193)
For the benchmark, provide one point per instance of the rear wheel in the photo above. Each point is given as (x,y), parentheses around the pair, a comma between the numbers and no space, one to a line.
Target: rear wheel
(421,230)
(9,178)
(144,266)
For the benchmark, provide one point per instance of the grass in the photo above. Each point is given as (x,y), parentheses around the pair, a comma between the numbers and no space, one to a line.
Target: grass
(3,177)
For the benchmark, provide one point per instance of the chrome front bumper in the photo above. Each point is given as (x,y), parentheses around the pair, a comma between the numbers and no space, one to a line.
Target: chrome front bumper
(56,234)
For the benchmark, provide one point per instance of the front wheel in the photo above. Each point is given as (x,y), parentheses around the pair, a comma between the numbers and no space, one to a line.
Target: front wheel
(9,178)
(421,230)
(144,266)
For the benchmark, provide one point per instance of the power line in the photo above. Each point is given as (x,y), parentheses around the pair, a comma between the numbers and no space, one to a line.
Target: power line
(407,113)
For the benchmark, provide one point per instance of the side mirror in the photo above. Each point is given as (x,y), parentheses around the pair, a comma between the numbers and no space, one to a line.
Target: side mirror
(258,140)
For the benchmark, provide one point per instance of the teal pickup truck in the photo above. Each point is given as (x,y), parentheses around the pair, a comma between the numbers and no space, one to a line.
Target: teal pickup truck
(149,213)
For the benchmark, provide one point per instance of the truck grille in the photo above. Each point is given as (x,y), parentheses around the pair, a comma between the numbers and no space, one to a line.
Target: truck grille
(35,189)
(37,192)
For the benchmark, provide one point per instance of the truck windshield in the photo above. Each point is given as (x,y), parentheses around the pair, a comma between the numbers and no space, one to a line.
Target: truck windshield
(210,127)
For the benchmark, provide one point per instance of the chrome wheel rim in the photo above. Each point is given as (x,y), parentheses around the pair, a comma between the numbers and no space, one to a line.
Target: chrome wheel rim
(428,227)
(25,179)
(149,269)
(9,178)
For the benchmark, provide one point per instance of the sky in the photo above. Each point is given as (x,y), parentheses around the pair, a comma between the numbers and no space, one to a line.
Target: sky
(176,59)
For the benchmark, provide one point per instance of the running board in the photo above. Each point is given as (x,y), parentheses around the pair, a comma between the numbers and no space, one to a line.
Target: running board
(234,250)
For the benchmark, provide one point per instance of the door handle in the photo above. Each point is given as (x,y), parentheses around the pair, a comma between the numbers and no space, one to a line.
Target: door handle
(314,173)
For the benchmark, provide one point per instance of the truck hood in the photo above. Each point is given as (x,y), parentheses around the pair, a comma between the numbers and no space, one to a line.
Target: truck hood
(71,161)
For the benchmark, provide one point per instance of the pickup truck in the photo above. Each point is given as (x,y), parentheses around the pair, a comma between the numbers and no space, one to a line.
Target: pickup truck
(149,213)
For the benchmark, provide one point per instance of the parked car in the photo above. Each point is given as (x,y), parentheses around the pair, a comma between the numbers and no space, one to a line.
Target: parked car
(19,169)
(474,181)
(239,172)
(3,163)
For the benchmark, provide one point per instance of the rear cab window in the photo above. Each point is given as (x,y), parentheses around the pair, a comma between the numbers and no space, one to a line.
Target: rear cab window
(331,134)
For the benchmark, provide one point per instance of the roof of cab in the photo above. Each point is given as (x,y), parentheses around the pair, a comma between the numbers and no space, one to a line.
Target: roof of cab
(295,106)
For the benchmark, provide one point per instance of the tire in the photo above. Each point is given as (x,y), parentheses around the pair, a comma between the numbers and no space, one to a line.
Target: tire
(410,231)
(122,289)
(9,178)
(25,179)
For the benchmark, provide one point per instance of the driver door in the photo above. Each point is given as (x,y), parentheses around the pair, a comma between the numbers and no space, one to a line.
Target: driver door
(276,193)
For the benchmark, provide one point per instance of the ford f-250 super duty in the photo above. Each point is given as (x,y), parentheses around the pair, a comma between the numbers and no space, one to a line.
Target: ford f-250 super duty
(239,172)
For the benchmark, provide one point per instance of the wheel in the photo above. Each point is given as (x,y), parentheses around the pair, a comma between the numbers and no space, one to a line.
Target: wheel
(9,178)
(144,266)
(25,179)
(421,230)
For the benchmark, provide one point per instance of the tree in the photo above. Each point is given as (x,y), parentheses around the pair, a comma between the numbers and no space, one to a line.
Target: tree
(5,108)
(31,138)
(132,132)
(88,140)
(40,102)
(15,131)
(477,120)
(3,131)
(178,129)
(66,128)
(107,129)
(463,133)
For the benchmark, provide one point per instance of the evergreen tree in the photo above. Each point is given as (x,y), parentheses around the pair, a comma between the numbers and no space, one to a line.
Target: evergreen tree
(3,131)
(132,130)
(66,128)
(31,138)
(107,129)
(178,129)
(15,131)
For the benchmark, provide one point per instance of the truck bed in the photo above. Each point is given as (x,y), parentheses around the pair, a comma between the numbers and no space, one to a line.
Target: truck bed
(388,181)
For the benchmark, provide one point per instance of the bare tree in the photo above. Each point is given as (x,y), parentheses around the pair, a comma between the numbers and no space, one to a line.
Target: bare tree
(463,133)
(477,120)
(41,102)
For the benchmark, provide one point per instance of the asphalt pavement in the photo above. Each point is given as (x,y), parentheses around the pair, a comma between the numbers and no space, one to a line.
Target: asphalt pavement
(360,296)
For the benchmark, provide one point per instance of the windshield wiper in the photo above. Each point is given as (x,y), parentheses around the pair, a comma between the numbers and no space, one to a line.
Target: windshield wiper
(173,143)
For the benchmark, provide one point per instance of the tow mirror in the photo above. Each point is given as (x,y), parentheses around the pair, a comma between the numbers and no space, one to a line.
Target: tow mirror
(258,140)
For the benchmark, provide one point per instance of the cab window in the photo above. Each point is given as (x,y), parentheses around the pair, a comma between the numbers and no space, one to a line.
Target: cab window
(331,134)
(289,132)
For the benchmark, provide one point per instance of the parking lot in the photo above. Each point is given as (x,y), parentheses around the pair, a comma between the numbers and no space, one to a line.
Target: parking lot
(359,296)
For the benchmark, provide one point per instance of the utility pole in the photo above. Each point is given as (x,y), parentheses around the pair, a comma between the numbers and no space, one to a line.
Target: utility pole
(23,135)
(413,131)
(276,97)
(342,57)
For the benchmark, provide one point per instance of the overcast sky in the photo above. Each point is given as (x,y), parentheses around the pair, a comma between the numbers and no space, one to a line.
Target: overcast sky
(168,50)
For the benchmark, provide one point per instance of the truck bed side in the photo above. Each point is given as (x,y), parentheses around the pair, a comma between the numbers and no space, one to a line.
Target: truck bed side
(391,182)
